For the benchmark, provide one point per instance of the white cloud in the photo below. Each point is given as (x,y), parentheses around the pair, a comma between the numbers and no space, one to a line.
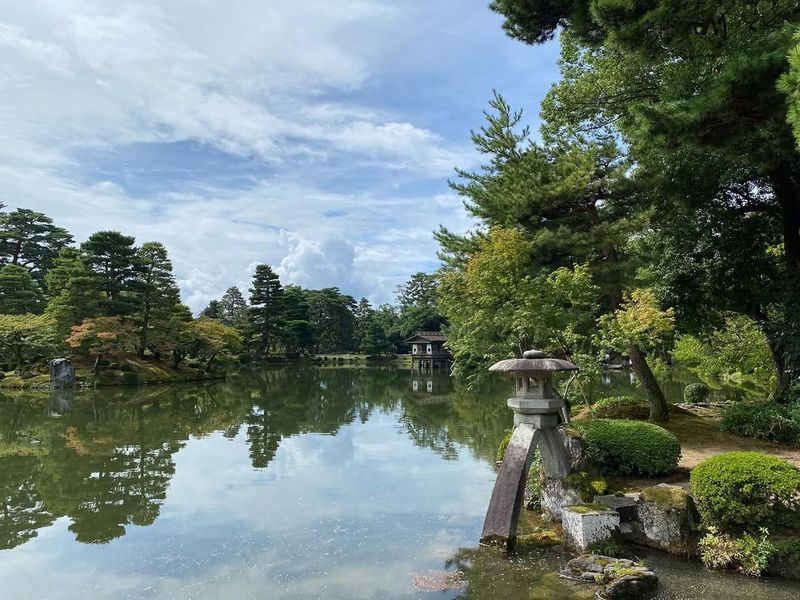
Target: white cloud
(317,264)
(214,126)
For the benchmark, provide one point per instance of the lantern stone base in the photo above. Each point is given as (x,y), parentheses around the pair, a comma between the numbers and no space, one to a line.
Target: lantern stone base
(585,524)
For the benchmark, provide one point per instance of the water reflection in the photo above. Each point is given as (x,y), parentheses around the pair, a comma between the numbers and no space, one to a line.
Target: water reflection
(290,482)
(105,458)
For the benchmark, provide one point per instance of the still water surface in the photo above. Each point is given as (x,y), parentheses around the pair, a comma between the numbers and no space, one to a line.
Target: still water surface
(277,483)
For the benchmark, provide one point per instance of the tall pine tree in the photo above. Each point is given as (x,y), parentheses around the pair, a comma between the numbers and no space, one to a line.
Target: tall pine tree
(111,256)
(266,306)
(158,294)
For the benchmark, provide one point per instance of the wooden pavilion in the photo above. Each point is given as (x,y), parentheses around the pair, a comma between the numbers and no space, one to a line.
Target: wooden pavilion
(428,351)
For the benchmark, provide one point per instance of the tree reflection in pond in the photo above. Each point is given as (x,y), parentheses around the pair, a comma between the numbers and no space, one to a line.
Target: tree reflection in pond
(104,458)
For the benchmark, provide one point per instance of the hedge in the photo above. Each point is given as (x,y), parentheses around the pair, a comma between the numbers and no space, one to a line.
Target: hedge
(625,447)
(744,491)
(763,420)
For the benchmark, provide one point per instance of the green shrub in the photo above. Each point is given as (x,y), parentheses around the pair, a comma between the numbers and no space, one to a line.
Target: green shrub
(695,392)
(609,547)
(621,407)
(744,491)
(763,420)
(749,554)
(615,402)
(629,447)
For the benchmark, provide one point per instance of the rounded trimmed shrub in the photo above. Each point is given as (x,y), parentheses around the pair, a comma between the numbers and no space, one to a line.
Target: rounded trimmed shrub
(744,491)
(695,392)
(763,420)
(625,447)
(621,407)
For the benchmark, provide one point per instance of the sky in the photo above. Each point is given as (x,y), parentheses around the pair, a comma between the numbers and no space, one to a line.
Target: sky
(311,135)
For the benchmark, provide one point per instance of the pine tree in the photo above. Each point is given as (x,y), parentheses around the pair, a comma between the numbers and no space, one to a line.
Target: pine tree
(213,310)
(73,291)
(158,293)
(19,292)
(297,333)
(29,239)
(265,308)
(234,308)
(111,257)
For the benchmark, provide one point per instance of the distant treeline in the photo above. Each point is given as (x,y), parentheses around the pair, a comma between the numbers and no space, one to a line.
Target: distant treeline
(108,296)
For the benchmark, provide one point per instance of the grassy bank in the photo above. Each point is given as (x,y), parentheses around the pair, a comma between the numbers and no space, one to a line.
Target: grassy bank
(120,371)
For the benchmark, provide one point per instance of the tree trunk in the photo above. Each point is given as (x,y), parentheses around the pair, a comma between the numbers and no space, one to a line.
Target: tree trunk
(779,362)
(659,412)
(787,191)
(97,363)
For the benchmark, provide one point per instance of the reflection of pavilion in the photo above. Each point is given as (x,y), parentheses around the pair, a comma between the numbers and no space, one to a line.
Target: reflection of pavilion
(429,388)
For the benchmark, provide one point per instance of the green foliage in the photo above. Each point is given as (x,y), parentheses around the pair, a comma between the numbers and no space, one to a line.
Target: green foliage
(501,449)
(612,402)
(26,339)
(19,292)
(234,309)
(629,447)
(417,304)
(789,84)
(497,308)
(609,547)
(333,319)
(749,555)
(111,258)
(157,296)
(763,420)
(737,354)
(789,548)
(588,485)
(695,393)
(30,240)
(744,491)
(374,342)
(265,308)
(639,321)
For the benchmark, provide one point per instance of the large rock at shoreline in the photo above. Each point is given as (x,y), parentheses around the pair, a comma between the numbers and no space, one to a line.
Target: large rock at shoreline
(62,373)
(619,578)
(666,520)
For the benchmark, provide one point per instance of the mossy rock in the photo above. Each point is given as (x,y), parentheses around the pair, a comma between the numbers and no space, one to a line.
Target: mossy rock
(583,509)
(542,538)
(666,497)
(587,485)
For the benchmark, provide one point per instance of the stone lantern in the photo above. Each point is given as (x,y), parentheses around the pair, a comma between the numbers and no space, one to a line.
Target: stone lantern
(537,412)
(534,401)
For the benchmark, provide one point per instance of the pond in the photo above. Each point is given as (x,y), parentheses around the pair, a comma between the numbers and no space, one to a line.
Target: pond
(293,482)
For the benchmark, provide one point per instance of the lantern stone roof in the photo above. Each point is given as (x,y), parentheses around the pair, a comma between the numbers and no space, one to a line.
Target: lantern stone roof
(428,336)
(534,360)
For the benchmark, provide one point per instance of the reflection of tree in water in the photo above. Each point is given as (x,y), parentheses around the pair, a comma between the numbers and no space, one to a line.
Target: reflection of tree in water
(107,462)
(288,402)
(23,511)
(476,419)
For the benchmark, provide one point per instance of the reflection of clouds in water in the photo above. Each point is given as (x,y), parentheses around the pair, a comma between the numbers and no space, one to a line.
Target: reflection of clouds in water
(347,516)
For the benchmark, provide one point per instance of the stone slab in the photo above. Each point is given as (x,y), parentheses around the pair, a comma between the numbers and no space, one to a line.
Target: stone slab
(584,525)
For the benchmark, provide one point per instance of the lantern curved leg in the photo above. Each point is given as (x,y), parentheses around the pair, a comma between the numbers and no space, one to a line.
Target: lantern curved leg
(500,525)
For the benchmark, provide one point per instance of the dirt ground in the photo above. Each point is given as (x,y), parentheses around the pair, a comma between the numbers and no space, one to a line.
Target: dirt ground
(700,438)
